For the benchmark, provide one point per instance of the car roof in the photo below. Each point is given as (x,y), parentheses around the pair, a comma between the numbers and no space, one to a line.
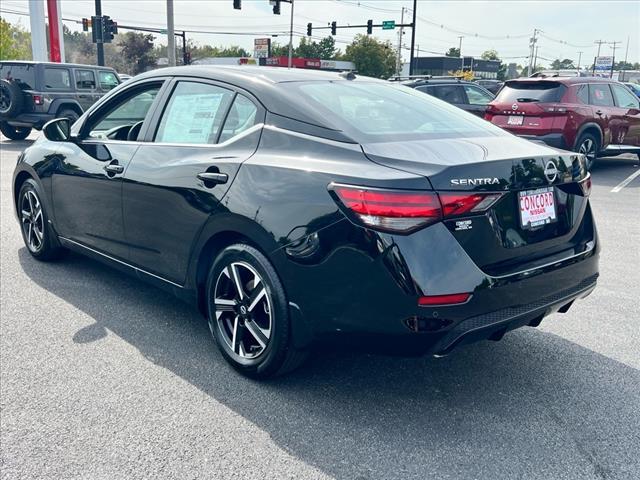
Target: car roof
(55,64)
(436,81)
(563,80)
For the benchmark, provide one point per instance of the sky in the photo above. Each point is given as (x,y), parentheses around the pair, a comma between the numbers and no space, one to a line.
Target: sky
(567,27)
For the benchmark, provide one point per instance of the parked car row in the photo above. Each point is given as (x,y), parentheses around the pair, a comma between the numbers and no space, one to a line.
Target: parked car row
(591,115)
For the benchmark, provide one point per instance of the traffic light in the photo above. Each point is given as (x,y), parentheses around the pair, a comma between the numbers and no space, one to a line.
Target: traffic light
(276,7)
(186,58)
(85,24)
(237,4)
(334,26)
(110,28)
(309,29)
(369,27)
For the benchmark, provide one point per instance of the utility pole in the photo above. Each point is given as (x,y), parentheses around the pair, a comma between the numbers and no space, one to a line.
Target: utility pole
(171,37)
(535,59)
(613,61)
(413,37)
(532,44)
(579,58)
(624,66)
(290,63)
(99,45)
(400,34)
(460,53)
(599,43)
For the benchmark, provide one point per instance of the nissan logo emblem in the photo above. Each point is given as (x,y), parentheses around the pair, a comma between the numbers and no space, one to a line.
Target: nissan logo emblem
(514,106)
(551,171)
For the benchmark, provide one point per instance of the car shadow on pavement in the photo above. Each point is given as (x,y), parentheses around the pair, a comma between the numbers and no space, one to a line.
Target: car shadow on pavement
(532,406)
(14,145)
(610,171)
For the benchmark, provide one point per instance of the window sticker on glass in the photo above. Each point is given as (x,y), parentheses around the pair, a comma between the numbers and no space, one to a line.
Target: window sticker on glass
(190,119)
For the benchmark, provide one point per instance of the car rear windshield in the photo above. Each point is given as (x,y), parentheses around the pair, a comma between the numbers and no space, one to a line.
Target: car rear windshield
(538,91)
(379,112)
(23,75)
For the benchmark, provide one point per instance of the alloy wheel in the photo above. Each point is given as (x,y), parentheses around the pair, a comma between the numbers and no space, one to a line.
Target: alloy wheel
(5,100)
(588,149)
(243,310)
(32,220)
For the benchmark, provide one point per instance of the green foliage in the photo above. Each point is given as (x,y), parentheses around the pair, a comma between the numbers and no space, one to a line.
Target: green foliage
(371,56)
(15,42)
(324,49)
(493,55)
(562,64)
(137,51)
(490,55)
(453,52)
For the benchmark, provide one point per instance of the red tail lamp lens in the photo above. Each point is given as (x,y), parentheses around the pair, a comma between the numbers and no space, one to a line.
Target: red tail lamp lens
(461,203)
(392,210)
(433,300)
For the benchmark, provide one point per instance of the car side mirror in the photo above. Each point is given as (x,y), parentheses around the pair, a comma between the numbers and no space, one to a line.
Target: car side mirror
(58,130)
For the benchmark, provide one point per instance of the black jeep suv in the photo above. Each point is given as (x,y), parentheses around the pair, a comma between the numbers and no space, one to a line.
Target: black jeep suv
(32,93)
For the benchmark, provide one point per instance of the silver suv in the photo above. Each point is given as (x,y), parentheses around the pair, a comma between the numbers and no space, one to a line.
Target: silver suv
(32,93)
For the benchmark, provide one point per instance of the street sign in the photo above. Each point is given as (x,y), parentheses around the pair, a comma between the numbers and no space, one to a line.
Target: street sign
(388,24)
(163,31)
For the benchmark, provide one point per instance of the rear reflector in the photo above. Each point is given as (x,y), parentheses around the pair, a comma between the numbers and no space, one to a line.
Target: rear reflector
(453,299)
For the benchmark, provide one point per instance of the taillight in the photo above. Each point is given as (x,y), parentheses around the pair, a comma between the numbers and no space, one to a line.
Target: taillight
(389,210)
(461,203)
(554,108)
(585,185)
(37,99)
(407,210)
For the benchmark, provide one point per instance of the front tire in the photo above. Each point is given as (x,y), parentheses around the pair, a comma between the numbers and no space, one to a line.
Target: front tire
(589,146)
(34,224)
(14,133)
(248,313)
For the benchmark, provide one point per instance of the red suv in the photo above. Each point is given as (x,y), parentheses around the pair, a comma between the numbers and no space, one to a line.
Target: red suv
(593,116)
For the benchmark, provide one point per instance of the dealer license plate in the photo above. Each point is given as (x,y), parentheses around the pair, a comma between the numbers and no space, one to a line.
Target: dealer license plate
(515,120)
(537,207)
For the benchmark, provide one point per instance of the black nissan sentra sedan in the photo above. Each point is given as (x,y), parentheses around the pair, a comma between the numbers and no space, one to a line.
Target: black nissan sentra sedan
(292,206)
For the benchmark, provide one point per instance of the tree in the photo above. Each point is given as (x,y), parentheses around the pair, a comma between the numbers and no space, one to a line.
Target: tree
(233,51)
(371,56)
(15,42)
(325,49)
(278,50)
(562,64)
(137,51)
(493,55)
(453,52)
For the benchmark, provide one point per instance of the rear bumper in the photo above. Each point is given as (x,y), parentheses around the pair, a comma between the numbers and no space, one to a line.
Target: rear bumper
(552,139)
(32,120)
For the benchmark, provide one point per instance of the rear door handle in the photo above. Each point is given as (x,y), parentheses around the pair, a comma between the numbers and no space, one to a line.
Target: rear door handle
(113,168)
(599,112)
(213,178)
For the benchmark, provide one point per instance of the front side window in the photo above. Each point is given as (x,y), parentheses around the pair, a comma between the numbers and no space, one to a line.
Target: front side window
(57,79)
(600,95)
(449,93)
(85,80)
(130,111)
(242,116)
(108,80)
(624,98)
(477,96)
(194,114)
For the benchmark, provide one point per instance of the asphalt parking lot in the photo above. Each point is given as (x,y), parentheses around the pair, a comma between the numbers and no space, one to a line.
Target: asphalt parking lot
(104,377)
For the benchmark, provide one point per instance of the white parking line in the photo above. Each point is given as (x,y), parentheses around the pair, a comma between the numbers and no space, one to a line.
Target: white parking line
(625,182)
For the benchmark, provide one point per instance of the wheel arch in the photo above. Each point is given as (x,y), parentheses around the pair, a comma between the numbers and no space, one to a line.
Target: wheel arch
(63,104)
(592,128)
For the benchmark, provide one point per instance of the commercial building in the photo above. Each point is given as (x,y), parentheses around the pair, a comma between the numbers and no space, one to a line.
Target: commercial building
(437,66)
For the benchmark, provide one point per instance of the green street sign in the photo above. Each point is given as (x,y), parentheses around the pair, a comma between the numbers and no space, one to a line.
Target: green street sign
(388,24)
(163,31)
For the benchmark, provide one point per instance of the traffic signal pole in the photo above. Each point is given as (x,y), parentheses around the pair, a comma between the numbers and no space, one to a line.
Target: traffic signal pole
(99,45)
(413,37)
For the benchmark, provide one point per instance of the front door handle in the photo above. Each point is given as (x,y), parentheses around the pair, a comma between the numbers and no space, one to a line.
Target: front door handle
(113,168)
(213,178)
(599,112)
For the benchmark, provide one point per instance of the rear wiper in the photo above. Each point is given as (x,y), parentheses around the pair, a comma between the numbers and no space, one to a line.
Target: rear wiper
(526,99)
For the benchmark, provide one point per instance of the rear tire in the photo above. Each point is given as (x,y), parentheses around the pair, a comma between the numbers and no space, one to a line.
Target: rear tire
(252,328)
(34,224)
(72,115)
(11,100)
(589,146)
(14,133)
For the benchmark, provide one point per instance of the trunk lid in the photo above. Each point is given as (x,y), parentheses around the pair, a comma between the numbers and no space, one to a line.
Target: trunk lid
(496,239)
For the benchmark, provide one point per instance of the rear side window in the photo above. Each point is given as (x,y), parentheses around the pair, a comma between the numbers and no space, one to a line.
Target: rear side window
(85,80)
(624,98)
(582,94)
(108,80)
(600,95)
(23,75)
(194,114)
(448,93)
(57,79)
(538,91)
(477,96)
(241,116)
